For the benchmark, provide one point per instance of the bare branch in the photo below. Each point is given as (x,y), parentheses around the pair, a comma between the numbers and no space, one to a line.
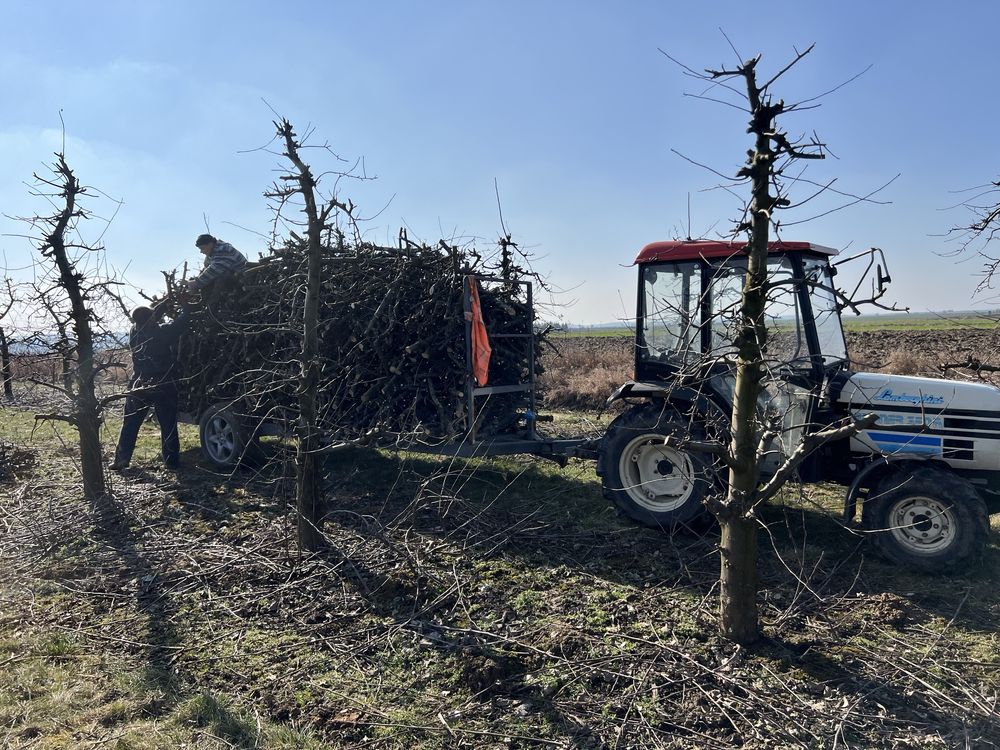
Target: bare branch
(851,426)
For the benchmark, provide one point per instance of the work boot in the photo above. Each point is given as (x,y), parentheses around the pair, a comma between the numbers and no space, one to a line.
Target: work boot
(118,466)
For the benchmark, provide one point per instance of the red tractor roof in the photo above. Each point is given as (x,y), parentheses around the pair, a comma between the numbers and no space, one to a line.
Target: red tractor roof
(695,249)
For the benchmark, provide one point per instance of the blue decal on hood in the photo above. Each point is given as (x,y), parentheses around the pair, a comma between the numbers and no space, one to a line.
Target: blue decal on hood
(886,394)
(894,442)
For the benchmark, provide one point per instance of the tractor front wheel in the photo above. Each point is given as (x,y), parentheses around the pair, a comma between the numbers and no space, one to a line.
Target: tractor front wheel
(928,519)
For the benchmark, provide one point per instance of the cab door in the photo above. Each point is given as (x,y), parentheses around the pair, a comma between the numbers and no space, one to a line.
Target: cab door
(787,399)
(668,336)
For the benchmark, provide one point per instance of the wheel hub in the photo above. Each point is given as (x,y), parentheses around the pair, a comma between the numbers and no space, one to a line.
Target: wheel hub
(656,476)
(664,467)
(220,438)
(923,525)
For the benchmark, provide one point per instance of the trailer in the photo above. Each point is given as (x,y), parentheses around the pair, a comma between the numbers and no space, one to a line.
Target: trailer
(228,433)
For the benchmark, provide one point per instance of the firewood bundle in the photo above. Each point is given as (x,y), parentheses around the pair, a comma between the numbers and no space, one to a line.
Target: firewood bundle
(392,335)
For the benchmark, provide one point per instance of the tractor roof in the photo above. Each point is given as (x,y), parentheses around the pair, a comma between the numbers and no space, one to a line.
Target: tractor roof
(695,249)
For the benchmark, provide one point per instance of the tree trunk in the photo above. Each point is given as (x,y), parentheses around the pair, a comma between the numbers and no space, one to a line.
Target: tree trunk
(308,479)
(738,594)
(308,476)
(91,458)
(6,373)
(738,605)
(87,416)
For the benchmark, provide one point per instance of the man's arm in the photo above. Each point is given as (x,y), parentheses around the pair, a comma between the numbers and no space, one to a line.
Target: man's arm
(175,328)
(160,308)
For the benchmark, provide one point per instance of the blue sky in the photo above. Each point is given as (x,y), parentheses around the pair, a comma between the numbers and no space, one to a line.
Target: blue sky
(568,105)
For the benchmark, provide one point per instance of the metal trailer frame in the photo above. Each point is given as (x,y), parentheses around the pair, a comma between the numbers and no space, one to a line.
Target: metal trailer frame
(507,444)
(472,390)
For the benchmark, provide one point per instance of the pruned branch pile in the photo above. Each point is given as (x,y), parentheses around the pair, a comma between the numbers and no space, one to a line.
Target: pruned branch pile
(392,336)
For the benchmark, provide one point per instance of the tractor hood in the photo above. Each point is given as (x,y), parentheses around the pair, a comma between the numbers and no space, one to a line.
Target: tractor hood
(945,419)
(872,391)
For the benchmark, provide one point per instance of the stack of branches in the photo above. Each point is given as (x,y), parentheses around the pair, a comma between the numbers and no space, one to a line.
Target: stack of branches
(392,335)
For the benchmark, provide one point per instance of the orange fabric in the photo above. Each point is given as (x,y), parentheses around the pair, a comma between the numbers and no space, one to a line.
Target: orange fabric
(481,349)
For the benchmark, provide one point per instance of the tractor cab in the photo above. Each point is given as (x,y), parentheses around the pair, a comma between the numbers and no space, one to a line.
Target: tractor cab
(689,303)
(688,311)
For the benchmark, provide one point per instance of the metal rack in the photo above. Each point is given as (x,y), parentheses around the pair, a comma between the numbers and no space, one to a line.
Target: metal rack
(474,391)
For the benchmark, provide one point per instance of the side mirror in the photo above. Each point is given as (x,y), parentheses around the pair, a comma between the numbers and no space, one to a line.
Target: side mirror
(883,278)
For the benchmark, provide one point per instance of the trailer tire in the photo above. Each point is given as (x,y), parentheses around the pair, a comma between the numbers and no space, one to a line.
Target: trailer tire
(929,520)
(655,484)
(226,439)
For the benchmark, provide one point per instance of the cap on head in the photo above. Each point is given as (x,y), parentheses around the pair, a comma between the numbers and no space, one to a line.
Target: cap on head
(204,239)
(142,315)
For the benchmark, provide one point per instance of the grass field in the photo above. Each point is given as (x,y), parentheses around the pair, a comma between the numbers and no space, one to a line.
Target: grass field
(595,332)
(462,604)
(918,322)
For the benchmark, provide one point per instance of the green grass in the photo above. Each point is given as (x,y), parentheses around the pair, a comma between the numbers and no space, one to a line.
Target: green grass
(611,332)
(917,322)
(51,702)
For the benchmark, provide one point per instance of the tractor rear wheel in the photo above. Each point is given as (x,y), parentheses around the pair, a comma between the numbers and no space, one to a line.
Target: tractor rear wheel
(928,519)
(649,477)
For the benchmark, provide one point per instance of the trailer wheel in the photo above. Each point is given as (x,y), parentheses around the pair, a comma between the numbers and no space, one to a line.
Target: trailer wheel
(928,519)
(650,481)
(226,442)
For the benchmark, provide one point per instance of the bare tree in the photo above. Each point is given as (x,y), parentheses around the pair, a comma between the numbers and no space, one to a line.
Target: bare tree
(978,235)
(75,294)
(752,430)
(50,298)
(303,185)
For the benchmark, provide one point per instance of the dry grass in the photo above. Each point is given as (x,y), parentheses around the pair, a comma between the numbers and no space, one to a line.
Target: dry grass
(48,367)
(906,362)
(583,376)
(462,604)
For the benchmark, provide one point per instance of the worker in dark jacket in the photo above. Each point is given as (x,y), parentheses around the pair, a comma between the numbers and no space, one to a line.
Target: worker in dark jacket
(222,260)
(154,364)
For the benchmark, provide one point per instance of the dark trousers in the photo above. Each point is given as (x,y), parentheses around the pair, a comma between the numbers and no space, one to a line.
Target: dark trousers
(161,397)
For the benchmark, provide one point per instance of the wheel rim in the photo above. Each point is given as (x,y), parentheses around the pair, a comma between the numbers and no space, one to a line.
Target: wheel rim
(656,476)
(923,525)
(220,439)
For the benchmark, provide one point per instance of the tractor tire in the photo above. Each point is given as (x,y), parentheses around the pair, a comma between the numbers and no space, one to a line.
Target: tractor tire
(226,440)
(655,484)
(928,519)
